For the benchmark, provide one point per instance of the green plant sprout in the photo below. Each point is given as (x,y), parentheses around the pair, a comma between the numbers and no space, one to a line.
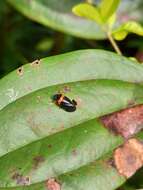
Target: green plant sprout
(105,16)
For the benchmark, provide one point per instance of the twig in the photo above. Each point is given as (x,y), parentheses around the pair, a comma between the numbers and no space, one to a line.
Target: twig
(114,44)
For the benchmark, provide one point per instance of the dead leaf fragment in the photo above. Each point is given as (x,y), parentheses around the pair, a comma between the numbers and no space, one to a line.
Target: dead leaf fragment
(52,184)
(20,179)
(126,122)
(129,158)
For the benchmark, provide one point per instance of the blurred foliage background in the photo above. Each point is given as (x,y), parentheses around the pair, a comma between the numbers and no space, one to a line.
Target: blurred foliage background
(23,40)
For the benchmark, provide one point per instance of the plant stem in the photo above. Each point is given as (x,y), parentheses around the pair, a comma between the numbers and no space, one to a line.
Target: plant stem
(113,43)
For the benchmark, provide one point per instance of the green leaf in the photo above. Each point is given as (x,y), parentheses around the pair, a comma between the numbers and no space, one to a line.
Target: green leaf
(108,8)
(111,21)
(120,35)
(97,175)
(95,64)
(88,11)
(58,16)
(128,27)
(39,140)
(82,149)
(35,116)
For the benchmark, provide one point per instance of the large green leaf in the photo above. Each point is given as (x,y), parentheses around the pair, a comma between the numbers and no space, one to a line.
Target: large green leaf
(95,64)
(38,140)
(36,116)
(98,175)
(59,16)
(58,154)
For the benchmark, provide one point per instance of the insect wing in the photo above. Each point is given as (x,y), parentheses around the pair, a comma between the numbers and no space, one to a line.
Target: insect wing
(68,105)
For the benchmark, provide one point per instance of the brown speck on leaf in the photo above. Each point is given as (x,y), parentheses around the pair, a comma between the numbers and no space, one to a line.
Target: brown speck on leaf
(131,103)
(62,127)
(31,121)
(66,89)
(126,122)
(129,158)
(74,152)
(111,162)
(20,71)
(49,146)
(36,63)
(52,184)
(29,88)
(20,179)
(38,160)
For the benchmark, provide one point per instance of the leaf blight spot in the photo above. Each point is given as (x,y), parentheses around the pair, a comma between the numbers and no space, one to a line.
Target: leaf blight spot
(129,157)
(52,184)
(20,71)
(36,63)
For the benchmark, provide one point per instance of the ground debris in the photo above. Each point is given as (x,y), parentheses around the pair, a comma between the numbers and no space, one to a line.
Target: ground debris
(20,179)
(52,184)
(129,157)
(126,122)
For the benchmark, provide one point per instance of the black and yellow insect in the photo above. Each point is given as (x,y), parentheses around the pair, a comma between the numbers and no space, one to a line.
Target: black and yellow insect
(64,102)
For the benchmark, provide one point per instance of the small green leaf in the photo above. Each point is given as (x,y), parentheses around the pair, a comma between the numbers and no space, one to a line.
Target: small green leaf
(111,21)
(120,35)
(88,11)
(131,26)
(108,8)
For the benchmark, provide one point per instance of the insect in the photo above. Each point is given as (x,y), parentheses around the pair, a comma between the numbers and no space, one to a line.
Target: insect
(64,102)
